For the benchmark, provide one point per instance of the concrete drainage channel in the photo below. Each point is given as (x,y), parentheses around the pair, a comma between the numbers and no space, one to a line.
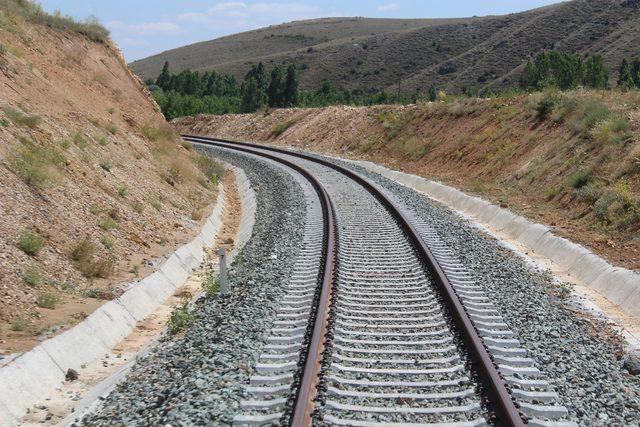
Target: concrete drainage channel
(33,376)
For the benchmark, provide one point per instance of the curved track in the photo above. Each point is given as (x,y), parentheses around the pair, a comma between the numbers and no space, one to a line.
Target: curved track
(385,336)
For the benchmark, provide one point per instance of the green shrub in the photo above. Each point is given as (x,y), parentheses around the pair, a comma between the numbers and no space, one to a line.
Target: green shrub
(281,128)
(137,207)
(589,193)
(181,318)
(80,140)
(107,243)
(20,118)
(580,178)
(545,107)
(593,113)
(211,286)
(615,129)
(108,224)
(84,253)
(30,243)
(39,166)
(123,190)
(550,192)
(19,324)
(32,275)
(47,300)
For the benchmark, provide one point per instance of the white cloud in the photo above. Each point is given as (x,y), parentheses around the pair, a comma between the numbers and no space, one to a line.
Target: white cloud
(143,29)
(387,7)
(231,16)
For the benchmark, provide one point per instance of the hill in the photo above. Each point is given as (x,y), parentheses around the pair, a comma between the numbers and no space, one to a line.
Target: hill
(367,55)
(95,185)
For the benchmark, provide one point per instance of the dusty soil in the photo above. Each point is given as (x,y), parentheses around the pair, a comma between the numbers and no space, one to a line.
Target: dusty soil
(574,177)
(72,393)
(85,154)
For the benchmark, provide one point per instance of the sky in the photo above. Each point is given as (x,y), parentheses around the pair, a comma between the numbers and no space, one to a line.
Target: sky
(145,27)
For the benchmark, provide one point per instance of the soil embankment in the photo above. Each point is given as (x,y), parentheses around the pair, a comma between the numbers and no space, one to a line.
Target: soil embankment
(95,185)
(567,160)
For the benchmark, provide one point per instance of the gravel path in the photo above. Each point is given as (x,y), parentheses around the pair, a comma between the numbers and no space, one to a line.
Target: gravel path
(199,378)
(580,355)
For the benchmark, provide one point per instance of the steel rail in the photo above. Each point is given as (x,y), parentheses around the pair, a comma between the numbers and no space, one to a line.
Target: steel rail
(307,390)
(499,399)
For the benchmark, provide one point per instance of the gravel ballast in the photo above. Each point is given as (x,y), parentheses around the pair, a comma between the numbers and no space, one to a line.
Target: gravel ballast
(581,356)
(199,378)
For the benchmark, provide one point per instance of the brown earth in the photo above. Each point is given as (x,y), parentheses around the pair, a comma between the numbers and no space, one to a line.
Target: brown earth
(367,55)
(576,169)
(85,154)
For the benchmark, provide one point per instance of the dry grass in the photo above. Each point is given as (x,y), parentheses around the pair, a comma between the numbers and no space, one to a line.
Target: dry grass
(38,165)
(89,262)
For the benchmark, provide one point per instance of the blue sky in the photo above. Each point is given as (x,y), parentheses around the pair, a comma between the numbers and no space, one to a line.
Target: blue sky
(146,27)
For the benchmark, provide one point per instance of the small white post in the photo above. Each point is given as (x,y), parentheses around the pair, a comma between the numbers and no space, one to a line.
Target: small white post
(224,287)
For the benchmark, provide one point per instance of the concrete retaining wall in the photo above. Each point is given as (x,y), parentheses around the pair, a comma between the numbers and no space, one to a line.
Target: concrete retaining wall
(619,285)
(31,377)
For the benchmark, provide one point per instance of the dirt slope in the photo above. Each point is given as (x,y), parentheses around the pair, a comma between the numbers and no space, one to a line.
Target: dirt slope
(94,183)
(575,168)
(368,55)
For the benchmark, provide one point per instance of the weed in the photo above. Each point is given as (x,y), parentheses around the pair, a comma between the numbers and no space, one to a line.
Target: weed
(20,118)
(123,190)
(187,145)
(545,107)
(64,144)
(94,209)
(366,145)
(589,193)
(39,166)
(158,133)
(107,243)
(593,113)
(106,165)
(84,254)
(137,207)
(4,123)
(102,141)
(181,318)
(108,224)
(111,128)
(157,205)
(580,178)
(19,324)
(95,122)
(196,214)
(97,294)
(550,192)
(211,169)
(30,243)
(614,129)
(281,128)
(32,275)
(47,300)
(110,110)
(135,270)
(3,49)
(211,286)
(80,140)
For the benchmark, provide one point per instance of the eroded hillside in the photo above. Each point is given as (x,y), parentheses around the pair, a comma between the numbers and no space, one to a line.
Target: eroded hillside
(568,160)
(95,185)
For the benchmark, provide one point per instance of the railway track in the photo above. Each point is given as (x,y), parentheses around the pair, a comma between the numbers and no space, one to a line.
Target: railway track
(381,324)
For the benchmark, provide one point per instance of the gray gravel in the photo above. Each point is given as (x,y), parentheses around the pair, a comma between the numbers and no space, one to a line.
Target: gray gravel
(199,378)
(580,355)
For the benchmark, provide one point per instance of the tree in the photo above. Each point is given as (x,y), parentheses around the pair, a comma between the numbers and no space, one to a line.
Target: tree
(252,96)
(276,90)
(164,77)
(635,72)
(433,95)
(259,74)
(596,74)
(291,87)
(625,81)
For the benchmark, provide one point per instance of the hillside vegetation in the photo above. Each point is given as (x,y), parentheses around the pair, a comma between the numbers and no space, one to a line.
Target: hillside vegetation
(570,160)
(367,56)
(94,182)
